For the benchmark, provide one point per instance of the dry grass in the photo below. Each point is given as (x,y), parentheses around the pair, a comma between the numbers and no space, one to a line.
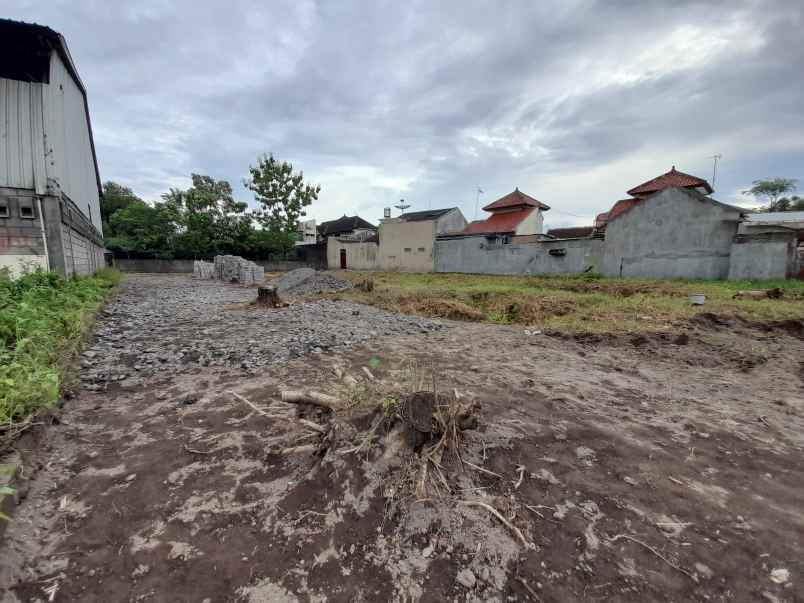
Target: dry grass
(585,303)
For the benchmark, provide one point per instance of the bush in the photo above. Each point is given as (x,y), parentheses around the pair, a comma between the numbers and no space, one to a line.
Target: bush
(43,318)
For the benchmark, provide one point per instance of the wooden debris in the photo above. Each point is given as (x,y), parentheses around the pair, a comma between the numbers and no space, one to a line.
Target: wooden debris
(310,397)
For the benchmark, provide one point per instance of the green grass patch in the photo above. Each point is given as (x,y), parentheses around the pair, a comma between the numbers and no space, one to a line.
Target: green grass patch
(43,320)
(576,303)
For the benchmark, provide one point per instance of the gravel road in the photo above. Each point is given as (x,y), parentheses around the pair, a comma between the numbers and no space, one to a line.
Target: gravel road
(172,324)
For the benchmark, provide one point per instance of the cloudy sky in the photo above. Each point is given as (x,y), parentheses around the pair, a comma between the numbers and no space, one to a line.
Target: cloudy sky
(574,102)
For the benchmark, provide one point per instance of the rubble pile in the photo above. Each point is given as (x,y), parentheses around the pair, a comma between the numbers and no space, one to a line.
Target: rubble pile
(306,281)
(230,269)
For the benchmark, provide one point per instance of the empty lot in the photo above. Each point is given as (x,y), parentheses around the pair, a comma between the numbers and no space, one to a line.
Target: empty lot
(663,464)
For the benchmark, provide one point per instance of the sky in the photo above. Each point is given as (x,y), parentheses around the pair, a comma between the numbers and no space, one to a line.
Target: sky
(573,102)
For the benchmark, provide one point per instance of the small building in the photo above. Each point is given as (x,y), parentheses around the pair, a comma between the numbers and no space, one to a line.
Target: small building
(351,243)
(407,242)
(675,233)
(513,215)
(50,186)
(671,179)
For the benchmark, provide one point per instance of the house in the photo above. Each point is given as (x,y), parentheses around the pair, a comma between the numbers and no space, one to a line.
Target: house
(308,233)
(676,232)
(50,186)
(671,179)
(406,242)
(513,215)
(761,232)
(350,242)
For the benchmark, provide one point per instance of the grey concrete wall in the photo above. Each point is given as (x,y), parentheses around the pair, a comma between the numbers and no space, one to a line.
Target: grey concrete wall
(186,266)
(451,222)
(764,257)
(477,255)
(671,234)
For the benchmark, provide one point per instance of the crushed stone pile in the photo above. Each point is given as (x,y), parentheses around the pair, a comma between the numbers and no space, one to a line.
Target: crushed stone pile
(305,281)
(169,325)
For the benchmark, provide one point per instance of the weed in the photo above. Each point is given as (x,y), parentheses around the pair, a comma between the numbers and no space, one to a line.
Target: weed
(43,318)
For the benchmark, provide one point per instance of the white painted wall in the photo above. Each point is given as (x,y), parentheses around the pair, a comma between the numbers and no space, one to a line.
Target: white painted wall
(20,264)
(533,224)
(68,145)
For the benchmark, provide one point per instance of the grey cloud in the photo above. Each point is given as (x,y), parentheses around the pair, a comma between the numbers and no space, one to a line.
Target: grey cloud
(411,90)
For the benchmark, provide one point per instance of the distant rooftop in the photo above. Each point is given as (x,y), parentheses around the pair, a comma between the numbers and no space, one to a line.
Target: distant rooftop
(670,179)
(776,216)
(342,225)
(428,214)
(513,199)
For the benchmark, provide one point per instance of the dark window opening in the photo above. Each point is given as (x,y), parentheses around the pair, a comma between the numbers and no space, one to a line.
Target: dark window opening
(421,249)
(407,249)
(558,252)
(25,65)
(27,211)
(3,210)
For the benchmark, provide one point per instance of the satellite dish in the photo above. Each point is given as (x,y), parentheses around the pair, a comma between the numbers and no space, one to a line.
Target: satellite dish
(402,206)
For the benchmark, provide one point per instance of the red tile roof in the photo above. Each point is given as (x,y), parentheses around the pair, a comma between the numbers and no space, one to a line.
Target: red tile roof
(671,178)
(515,199)
(501,223)
(620,207)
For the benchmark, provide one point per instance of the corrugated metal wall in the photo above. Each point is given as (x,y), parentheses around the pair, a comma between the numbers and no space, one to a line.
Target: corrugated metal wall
(21,135)
(67,141)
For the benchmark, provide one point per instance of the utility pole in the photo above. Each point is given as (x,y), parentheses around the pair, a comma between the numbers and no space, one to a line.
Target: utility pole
(715,159)
(477,201)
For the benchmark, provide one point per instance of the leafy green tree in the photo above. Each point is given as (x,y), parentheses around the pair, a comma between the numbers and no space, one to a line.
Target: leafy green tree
(282,195)
(794,203)
(211,221)
(144,230)
(772,191)
(115,197)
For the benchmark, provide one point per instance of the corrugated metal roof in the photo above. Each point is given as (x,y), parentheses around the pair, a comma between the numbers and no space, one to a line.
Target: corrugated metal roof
(344,224)
(572,232)
(776,216)
(424,215)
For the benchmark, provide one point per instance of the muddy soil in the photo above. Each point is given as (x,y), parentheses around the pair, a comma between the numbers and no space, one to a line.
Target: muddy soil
(659,467)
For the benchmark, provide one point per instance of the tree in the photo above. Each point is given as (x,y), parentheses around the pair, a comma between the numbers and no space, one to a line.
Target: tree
(211,221)
(794,203)
(771,190)
(115,197)
(144,230)
(282,195)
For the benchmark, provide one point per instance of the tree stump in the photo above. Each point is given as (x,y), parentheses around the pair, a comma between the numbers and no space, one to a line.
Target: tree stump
(267,296)
(416,411)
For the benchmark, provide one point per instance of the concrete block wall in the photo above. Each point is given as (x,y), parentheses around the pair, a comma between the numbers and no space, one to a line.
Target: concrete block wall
(764,256)
(481,255)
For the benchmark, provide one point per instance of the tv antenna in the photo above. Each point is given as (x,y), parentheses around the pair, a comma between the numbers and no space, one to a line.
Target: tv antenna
(402,206)
(715,158)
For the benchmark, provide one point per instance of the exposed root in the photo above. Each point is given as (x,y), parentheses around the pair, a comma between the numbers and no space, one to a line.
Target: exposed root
(517,532)
(692,577)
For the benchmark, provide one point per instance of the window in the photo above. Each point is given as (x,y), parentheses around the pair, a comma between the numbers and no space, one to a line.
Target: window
(407,249)
(3,209)
(421,250)
(26,210)
(558,252)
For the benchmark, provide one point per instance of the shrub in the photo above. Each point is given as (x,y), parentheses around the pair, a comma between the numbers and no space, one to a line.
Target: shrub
(43,318)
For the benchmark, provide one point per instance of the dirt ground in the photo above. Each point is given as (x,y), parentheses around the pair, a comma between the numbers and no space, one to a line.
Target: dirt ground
(654,467)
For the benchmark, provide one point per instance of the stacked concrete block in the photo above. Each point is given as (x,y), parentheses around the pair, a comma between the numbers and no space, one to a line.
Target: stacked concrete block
(205,270)
(234,269)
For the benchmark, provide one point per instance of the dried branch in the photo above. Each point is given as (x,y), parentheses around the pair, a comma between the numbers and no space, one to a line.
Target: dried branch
(498,515)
